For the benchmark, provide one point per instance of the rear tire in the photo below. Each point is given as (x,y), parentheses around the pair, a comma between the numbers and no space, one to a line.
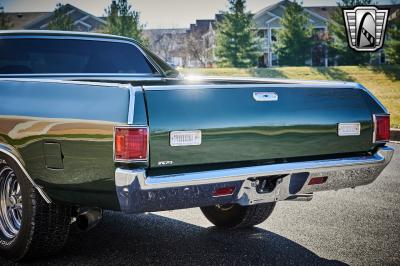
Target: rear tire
(237,216)
(42,229)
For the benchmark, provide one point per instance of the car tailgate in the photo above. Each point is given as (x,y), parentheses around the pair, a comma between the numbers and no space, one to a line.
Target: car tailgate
(255,122)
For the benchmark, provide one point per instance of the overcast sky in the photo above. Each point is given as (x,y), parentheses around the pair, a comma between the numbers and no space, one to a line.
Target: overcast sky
(155,13)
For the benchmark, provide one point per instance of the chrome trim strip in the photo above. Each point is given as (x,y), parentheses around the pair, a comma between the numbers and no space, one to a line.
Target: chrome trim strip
(381,157)
(374,131)
(36,186)
(103,84)
(131,108)
(243,86)
(190,78)
(21,33)
(18,34)
(83,75)
(75,78)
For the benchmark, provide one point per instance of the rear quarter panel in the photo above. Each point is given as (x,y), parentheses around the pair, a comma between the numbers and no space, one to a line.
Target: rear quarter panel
(80,119)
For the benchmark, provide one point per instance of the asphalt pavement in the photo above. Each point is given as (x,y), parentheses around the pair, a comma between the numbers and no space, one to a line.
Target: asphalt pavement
(358,226)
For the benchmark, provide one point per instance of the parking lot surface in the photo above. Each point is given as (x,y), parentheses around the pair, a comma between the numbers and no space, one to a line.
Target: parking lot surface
(351,226)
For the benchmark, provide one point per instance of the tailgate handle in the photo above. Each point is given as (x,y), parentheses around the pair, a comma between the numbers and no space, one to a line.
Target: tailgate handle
(265,96)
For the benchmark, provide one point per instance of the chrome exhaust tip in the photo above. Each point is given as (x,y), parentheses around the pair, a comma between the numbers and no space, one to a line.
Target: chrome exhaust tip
(301,197)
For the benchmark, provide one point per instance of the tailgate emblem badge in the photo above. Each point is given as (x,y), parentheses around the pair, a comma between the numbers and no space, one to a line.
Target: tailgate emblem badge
(185,138)
(265,96)
(349,129)
(162,163)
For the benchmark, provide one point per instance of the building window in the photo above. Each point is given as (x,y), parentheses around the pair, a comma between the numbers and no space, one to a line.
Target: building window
(274,35)
(274,59)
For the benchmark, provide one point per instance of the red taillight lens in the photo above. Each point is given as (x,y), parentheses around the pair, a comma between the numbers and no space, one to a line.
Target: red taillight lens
(382,128)
(318,180)
(130,144)
(225,191)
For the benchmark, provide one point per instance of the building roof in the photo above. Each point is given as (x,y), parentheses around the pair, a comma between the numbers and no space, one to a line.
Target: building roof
(19,20)
(39,20)
(82,20)
(166,31)
(324,11)
(267,8)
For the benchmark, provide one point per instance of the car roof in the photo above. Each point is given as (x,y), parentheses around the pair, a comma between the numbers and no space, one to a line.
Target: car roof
(63,33)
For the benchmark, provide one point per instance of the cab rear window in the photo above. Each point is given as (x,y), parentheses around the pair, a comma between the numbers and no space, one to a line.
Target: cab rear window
(69,56)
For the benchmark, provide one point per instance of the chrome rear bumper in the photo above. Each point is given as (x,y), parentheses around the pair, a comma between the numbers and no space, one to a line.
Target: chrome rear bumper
(140,193)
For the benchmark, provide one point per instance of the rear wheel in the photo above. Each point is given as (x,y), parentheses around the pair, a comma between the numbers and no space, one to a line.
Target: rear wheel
(29,227)
(237,216)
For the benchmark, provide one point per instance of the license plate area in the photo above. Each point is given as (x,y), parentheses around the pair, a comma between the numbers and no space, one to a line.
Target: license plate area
(349,129)
(266,184)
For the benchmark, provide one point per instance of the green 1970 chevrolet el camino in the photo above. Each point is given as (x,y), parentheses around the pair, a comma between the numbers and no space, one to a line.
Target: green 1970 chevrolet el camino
(91,122)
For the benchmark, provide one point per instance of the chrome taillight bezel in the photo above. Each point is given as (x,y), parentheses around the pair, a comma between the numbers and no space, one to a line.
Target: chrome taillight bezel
(375,124)
(144,160)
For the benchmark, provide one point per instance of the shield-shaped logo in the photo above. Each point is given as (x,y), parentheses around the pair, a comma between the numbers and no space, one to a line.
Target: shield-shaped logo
(366,26)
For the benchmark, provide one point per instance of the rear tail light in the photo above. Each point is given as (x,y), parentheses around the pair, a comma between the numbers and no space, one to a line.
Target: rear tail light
(130,144)
(381,128)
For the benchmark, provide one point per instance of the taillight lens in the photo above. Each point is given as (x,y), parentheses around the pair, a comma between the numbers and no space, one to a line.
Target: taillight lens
(130,143)
(382,128)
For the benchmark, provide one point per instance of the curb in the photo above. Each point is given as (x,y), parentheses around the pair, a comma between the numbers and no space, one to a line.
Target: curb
(395,134)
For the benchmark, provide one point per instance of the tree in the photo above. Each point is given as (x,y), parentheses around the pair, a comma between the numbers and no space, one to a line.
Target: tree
(166,43)
(236,41)
(163,44)
(60,20)
(339,49)
(124,21)
(294,42)
(4,20)
(393,44)
(195,48)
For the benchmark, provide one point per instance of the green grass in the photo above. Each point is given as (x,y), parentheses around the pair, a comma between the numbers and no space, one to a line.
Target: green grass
(383,82)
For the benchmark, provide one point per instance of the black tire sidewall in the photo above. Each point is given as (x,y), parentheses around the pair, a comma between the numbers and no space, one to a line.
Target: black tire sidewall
(238,216)
(16,248)
(225,218)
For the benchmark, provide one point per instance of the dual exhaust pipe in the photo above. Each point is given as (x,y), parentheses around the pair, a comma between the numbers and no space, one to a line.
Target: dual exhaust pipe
(88,218)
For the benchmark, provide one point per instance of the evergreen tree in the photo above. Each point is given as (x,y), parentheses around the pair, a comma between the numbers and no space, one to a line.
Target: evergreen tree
(393,45)
(4,21)
(339,49)
(236,41)
(124,21)
(294,41)
(60,20)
